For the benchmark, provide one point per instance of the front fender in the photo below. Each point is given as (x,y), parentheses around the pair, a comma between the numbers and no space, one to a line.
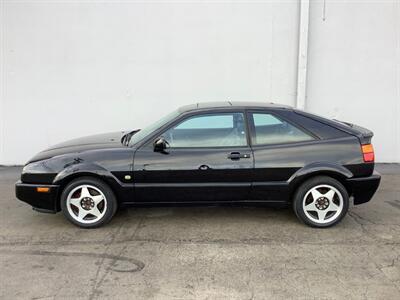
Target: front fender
(81,169)
(123,191)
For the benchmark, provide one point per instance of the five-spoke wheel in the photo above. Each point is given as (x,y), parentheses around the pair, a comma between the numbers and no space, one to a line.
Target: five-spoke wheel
(88,202)
(321,201)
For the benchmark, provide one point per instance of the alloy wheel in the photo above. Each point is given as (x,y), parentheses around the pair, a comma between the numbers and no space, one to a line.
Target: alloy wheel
(323,204)
(86,204)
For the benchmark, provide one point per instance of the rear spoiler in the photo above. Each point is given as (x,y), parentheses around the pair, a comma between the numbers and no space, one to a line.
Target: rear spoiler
(364,135)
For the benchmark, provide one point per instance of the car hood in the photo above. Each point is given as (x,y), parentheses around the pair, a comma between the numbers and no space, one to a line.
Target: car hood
(93,142)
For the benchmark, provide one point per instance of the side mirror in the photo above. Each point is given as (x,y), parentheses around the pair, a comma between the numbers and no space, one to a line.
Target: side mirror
(160,145)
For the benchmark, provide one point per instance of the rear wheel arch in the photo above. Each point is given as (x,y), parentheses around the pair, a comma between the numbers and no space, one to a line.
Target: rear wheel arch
(298,181)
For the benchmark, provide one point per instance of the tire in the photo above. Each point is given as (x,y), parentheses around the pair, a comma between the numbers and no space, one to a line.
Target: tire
(88,202)
(321,202)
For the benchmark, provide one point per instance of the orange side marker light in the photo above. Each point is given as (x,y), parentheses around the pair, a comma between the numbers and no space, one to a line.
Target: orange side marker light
(43,189)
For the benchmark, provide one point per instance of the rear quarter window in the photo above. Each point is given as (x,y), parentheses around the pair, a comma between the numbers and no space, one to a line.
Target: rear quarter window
(323,131)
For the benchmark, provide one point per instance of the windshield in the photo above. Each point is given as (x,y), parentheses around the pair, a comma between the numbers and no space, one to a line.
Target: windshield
(151,128)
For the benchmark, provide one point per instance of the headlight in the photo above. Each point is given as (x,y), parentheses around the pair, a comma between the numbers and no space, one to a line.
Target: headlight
(37,167)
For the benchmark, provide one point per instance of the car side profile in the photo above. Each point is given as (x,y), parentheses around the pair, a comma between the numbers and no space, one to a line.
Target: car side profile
(209,153)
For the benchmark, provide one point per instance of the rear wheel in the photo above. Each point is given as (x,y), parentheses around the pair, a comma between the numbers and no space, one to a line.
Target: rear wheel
(88,202)
(321,202)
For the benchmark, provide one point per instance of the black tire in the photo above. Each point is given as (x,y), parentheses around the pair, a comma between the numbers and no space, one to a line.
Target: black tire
(108,210)
(310,218)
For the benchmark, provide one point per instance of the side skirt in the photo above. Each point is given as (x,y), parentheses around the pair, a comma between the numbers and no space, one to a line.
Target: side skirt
(205,203)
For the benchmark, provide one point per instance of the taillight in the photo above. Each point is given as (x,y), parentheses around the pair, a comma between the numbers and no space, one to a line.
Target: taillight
(368,152)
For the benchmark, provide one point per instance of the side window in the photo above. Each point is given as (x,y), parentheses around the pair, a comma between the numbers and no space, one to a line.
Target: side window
(216,130)
(271,130)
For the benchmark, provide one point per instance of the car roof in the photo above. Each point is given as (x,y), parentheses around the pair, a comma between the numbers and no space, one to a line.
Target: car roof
(231,105)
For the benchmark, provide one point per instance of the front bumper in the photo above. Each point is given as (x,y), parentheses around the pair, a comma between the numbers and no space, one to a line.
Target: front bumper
(364,188)
(44,202)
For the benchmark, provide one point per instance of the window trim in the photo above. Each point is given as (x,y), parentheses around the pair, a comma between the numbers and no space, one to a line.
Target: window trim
(192,114)
(276,114)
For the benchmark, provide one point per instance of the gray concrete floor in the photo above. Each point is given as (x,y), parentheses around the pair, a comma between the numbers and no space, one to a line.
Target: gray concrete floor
(201,253)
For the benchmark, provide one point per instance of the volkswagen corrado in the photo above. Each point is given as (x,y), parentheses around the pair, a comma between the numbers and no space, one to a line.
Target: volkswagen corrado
(208,153)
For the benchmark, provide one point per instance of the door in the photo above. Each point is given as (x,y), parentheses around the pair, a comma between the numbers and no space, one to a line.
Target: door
(280,148)
(207,159)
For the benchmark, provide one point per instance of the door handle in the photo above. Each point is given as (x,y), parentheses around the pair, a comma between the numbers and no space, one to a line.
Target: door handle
(238,155)
(204,168)
(234,155)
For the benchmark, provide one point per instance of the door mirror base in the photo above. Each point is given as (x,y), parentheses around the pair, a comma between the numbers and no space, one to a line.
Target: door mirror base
(160,145)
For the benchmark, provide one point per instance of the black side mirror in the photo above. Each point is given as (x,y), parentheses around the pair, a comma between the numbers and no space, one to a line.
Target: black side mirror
(160,145)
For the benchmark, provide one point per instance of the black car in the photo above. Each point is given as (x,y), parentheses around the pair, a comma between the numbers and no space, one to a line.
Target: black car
(209,153)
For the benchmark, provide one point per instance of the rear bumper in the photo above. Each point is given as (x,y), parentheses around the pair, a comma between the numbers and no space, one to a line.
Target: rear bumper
(364,188)
(43,202)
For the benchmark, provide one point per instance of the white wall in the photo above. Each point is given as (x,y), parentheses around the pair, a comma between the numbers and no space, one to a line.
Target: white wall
(75,68)
(354,68)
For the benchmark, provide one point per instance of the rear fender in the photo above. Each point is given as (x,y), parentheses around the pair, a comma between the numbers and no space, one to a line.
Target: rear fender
(334,170)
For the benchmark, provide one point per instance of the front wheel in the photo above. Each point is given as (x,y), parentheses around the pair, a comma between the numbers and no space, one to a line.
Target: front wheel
(321,202)
(88,202)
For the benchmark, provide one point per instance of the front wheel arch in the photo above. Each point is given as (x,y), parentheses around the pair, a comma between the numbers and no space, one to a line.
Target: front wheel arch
(63,183)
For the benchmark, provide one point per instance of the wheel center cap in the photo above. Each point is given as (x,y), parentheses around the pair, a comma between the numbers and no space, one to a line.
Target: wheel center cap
(322,203)
(87,203)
